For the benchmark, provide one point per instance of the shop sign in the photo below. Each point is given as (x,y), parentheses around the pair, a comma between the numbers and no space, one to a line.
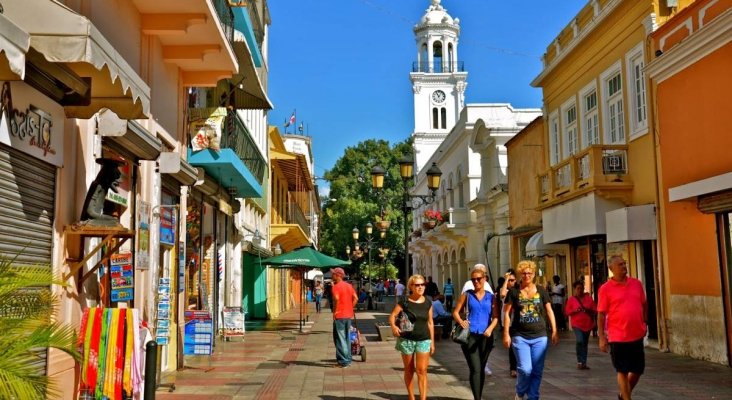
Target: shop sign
(198,338)
(143,235)
(121,274)
(27,122)
(233,321)
(205,128)
(167,226)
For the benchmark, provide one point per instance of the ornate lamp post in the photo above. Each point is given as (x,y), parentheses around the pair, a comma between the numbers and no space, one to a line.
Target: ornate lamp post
(410,201)
(370,243)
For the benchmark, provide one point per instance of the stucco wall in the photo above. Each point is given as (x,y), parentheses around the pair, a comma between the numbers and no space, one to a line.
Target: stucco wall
(696,327)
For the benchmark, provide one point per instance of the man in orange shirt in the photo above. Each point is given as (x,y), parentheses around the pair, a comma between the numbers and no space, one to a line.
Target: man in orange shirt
(622,305)
(344,300)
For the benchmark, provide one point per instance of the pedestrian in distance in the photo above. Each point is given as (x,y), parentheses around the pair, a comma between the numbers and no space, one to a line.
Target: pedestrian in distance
(582,313)
(318,295)
(622,313)
(441,316)
(527,314)
(417,345)
(558,292)
(481,318)
(431,290)
(399,289)
(509,281)
(344,300)
(449,291)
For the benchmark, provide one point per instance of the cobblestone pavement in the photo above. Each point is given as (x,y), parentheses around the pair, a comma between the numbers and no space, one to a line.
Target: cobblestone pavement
(275,361)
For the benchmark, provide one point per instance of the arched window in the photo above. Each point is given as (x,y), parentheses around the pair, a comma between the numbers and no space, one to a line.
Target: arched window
(461,199)
(423,59)
(435,119)
(437,56)
(451,188)
(450,58)
(443,115)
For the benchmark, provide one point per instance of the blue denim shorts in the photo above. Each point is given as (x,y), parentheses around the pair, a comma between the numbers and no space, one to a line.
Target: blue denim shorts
(409,347)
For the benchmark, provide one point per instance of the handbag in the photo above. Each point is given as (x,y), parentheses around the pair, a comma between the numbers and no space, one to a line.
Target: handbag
(403,321)
(459,334)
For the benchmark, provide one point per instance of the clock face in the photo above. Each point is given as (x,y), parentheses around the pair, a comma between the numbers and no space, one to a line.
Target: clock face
(438,96)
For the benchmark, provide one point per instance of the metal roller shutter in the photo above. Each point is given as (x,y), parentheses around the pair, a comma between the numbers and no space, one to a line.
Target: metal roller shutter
(27,191)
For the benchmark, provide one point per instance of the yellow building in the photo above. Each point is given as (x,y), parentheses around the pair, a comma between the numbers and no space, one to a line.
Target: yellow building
(598,194)
(527,159)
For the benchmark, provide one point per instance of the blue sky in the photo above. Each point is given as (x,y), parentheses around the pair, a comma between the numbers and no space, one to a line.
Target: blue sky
(344,64)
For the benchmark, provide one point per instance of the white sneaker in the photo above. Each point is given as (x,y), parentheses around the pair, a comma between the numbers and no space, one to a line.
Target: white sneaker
(488,371)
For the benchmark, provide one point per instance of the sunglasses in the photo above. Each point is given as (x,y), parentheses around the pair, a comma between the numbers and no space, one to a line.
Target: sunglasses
(476,279)
(512,280)
(418,284)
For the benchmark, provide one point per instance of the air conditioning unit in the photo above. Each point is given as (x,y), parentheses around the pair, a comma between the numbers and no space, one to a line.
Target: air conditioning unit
(614,164)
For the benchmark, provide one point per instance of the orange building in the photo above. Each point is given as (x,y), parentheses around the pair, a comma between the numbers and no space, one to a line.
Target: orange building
(691,77)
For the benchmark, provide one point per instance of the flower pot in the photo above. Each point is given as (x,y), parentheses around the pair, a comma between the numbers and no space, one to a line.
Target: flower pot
(427,225)
(383,225)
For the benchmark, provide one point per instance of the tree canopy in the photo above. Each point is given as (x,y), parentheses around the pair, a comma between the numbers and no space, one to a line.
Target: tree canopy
(353,203)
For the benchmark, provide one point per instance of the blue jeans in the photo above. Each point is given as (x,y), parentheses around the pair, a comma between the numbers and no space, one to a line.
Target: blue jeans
(583,339)
(530,355)
(318,299)
(342,340)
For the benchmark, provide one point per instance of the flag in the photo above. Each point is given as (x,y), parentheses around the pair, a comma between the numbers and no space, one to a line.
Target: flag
(291,121)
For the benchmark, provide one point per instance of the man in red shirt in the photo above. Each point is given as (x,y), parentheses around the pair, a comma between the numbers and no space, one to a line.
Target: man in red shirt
(622,305)
(344,300)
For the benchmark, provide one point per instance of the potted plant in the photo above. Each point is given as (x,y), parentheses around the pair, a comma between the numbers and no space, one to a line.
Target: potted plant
(382,223)
(27,308)
(432,218)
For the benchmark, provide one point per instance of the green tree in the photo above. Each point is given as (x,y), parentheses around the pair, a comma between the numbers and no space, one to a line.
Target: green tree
(28,328)
(353,203)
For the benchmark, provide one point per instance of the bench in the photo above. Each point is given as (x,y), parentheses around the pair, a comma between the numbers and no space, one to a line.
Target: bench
(384,330)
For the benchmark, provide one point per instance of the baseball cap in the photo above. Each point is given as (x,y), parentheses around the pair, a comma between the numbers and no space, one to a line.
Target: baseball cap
(337,271)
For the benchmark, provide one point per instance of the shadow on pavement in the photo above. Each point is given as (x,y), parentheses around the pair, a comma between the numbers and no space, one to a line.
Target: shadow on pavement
(391,396)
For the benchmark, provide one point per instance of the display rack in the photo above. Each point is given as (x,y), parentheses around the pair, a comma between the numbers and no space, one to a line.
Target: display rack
(112,239)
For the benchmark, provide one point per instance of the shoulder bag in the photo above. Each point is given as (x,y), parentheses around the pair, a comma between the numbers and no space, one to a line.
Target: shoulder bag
(403,321)
(459,334)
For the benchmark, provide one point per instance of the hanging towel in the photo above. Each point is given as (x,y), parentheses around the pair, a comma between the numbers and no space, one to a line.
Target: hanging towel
(129,345)
(119,350)
(102,371)
(136,356)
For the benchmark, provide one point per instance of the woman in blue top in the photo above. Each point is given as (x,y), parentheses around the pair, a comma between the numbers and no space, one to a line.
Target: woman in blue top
(482,317)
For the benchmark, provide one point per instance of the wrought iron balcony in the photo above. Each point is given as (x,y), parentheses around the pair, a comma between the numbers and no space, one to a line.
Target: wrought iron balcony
(437,67)
(596,168)
(226,16)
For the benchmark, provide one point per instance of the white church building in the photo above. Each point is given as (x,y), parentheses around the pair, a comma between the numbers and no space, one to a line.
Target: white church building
(467,143)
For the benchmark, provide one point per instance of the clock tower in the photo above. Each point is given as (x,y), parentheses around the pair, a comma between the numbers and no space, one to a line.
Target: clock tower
(438,81)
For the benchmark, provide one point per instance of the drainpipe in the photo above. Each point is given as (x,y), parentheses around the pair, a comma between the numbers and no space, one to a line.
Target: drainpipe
(663,337)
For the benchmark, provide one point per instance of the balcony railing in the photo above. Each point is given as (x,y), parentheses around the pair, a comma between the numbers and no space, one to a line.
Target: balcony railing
(596,167)
(291,213)
(238,138)
(226,16)
(437,67)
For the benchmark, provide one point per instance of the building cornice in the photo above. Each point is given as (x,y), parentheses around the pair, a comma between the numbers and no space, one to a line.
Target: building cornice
(697,46)
(562,52)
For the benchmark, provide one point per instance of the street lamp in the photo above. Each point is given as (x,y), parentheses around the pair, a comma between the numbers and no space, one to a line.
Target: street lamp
(406,171)
(369,244)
